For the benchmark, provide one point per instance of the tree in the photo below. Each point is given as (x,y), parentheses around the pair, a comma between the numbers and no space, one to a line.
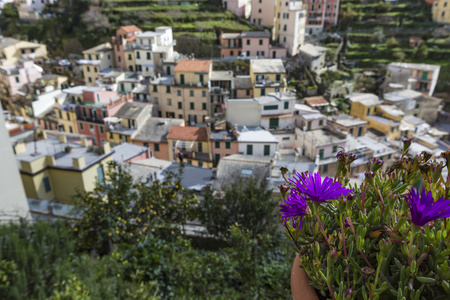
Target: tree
(392,42)
(400,55)
(365,84)
(378,35)
(422,51)
(95,20)
(248,204)
(118,211)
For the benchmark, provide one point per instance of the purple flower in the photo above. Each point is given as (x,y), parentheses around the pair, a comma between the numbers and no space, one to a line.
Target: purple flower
(294,206)
(312,187)
(347,222)
(424,209)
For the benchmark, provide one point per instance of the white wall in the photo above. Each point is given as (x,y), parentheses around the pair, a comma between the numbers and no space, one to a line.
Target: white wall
(44,103)
(13,202)
(258,148)
(243,112)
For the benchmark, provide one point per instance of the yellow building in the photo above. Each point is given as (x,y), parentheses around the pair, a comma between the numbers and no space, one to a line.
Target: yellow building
(56,172)
(268,76)
(129,59)
(190,145)
(13,50)
(441,11)
(184,95)
(67,118)
(96,59)
(367,107)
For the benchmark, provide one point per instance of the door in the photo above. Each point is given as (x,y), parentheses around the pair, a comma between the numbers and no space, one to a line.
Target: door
(274,54)
(168,70)
(249,149)
(266,150)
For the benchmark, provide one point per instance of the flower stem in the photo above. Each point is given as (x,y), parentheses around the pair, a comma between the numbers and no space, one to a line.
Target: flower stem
(316,212)
(382,200)
(363,196)
(414,230)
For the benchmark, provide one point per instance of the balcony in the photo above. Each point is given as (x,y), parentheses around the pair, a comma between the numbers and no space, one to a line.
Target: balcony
(90,119)
(195,155)
(219,91)
(268,83)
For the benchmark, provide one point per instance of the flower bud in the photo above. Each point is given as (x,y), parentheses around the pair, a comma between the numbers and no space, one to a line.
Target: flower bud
(350,197)
(436,173)
(370,177)
(348,292)
(347,222)
(375,233)
(426,155)
(283,189)
(406,144)
(375,164)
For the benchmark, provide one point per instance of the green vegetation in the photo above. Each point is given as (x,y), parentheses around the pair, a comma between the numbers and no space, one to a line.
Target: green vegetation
(128,246)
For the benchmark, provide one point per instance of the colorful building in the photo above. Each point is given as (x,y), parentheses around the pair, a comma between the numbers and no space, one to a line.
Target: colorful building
(95,60)
(223,140)
(13,51)
(190,145)
(441,11)
(321,14)
(249,44)
(268,76)
(59,168)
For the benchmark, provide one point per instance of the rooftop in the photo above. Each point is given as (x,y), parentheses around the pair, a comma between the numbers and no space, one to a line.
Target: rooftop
(383,120)
(413,120)
(392,110)
(130,28)
(347,120)
(324,136)
(220,134)
(148,34)
(366,99)
(221,75)
(256,34)
(313,116)
(267,66)
(131,110)
(165,80)
(254,134)
(193,66)
(8,41)
(401,95)
(53,147)
(312,50)
(127,151)
(243,82)
(422,67)
(188,133)
(156,129)
(316,101)
(99,49)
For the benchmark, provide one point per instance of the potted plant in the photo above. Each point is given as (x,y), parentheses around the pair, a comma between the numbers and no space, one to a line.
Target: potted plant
(387,238)
(68,149)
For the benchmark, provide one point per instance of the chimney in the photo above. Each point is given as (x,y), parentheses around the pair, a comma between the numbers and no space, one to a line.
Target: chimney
(50,160)
(20,148)
(106,148)
(62,138)
(84,142)
(78,163)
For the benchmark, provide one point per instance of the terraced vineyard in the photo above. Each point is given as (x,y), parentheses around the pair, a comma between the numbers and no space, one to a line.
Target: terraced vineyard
(193,22)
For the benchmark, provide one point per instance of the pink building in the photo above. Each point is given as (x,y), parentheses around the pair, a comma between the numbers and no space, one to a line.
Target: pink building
(249,43)
(124,35)
(238,7)
(321,14)
(263,12)
(14,77)
(96,106)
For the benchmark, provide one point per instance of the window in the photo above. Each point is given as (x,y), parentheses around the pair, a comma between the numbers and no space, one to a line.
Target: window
(100,175)
(247,92)
(129,57)
(180,105)
(191,93)
(266,150)
(70,129)
(47,186)
(270,107)
(149,56)
(249,149)
(334,149)
(169,102)
(120,58)
(204,106)
(168,89)
(286,138)
(246,172)
(104,114)
(248,42)
(227,145)
(389,156)
(284,27)
(200,147)
(351,131)
(260,42)
(138,55)
(191,105)
(284,40)
(91,127)
(309,125)
(156,147)
(368,111)
(109,56)
(312,7)
(263,92)
(200,164)
(81,126)
(155,88)
(96,57)
(259,10)
(217,145)
(417,105)
(321,151)
(101,129)
(287,3)
(111,136)
(181,79)
(178,92)
(60,114)
(320,122)
(90,57)
(278,77)
(231,53)
(88,68)
(90,79)
(360,131)
(325,168)
(68,116)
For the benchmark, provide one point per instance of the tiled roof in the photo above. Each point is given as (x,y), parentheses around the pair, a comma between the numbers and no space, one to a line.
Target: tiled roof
(193,66)
(188,133)
(316,101)
(130,28)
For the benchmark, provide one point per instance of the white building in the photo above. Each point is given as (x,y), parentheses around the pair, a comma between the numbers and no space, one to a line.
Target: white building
(13,202)
(32,9)
(290,25)
(252,140)
(313,56)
